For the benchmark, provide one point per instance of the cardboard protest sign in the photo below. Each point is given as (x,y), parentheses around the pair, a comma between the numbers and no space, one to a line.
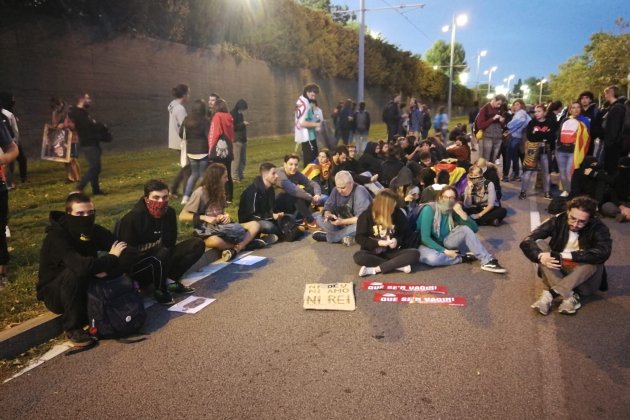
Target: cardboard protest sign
(402,287)
(407,298)
(332,297)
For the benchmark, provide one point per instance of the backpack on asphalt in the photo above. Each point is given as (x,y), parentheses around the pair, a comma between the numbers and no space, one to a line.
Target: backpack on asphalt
(289,229)
(115,307)
(412,238)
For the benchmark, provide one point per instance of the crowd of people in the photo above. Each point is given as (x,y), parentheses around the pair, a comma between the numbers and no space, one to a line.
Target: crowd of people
(412,198)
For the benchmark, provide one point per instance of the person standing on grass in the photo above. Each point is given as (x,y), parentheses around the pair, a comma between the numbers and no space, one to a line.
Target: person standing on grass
(571,264)
(306,124)
(177,115)
(221,142)
(10,153)
(206,210)
(196,127)
(362,126)
(59,119)
(240,140)
(380,232)
(150,229)
(91,133)
(69,261)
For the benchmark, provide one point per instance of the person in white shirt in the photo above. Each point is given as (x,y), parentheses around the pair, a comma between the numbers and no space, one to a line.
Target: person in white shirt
(177,114)
(305,123)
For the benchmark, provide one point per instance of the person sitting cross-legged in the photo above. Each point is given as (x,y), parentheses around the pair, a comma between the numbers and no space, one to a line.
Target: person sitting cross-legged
(480,199)
(448,236)
(572,262)
(296,192)
(381,229)
(339,218)
(150,228)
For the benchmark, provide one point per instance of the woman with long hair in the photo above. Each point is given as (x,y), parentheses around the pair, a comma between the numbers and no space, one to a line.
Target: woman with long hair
(206,210)
(572,145)
(381,230)
(195,131)
(220,141)
(540,139)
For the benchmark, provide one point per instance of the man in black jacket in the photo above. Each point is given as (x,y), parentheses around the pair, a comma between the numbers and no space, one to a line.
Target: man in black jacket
(258,200)
(91,133)
(613,129)
(69,261)
(572,263)
(150,228)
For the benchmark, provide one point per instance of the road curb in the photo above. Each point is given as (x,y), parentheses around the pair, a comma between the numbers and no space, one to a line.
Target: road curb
(15,341)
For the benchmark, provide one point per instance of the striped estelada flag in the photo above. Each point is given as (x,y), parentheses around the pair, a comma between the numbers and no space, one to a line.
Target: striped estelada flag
(582,141)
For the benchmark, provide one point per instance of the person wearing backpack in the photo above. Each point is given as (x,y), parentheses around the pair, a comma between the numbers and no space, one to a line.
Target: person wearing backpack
(150,228)
(69,261)
(362,123)
(381,231)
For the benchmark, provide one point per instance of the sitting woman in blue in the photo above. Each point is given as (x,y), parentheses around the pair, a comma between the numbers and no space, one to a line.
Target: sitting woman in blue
(448,237)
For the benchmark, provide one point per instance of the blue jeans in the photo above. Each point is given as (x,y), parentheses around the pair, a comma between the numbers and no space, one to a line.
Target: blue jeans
(334,234)
(512,158)
(361,139)
(461,238)
(565,166)
(93,156)
(197,169)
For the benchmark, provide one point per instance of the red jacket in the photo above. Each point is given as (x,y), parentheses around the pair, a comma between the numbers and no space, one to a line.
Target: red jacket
(486,115)
(222,123)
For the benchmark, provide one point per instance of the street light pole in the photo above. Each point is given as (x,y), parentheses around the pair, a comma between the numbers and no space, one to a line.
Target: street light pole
(361,81)
(541,83)
(508,80)
(490,71)
(461,20)
(480,54)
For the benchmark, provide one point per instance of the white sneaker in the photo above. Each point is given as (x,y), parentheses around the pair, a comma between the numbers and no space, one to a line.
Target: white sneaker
(366,271)
(570,305)
(405,269)
(544,302)
(185,199)
(564,194)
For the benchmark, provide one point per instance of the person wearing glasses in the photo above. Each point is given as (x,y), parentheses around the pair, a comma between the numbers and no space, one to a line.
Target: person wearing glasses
(571,264)
(448,236)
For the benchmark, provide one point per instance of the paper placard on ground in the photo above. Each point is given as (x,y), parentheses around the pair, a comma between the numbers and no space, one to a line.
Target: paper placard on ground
(191,305)
(249,260)
(209,269)
(403,287)
(331,297)
(431,300)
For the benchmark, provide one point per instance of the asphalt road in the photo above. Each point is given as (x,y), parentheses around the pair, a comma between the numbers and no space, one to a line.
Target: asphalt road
(255,353)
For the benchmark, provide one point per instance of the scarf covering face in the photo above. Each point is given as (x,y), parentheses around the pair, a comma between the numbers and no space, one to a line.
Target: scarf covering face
(443,207)
(157,209)
(80,227)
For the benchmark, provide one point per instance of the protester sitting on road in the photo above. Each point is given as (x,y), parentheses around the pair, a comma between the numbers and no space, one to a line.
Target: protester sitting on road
(342,162)
(69,261)
(460,149)
(321,171)
(619,204)
(383,149)
(480,200)
(381,230)
(258,200)
(432,190)
(490,173)
(590,180)
(297,193)
(370,160)
(572,262)
(151,229)
(206,209)
(448,235)
(346,202)
(391,165)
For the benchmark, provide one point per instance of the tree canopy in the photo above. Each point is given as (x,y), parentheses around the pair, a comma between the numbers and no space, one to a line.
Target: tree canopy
(440,55)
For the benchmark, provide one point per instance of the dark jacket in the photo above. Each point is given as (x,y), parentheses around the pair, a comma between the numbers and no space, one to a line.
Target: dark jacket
(144,232)
(90,132)
(257,202)
(389,169)
(594,185)
(594,240)
(61,251)
(196,135)
(365,229)
(369,161)
(240,129)
(613,124)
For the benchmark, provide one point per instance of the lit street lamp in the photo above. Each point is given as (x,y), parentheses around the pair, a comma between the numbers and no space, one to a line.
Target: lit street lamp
(461,21)
(480,54)
(525,90)
(489,73)
(508,80)
(541,83)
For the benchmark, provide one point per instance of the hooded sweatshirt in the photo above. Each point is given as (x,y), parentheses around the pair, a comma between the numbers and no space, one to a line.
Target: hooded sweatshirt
(369,161)
(144,232)
(222,124)
(240,129)
(257,202)
(76,252)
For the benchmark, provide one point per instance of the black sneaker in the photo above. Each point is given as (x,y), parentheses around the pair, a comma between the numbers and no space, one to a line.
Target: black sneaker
(468,257)
(522,195)
(494,267)
(179,288)
(80,338)
(319,236)
(270,238)
(256,244)
(163,297)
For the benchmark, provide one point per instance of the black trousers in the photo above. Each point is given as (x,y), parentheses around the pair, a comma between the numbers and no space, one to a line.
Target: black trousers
(611,158)
(155,266)
(289,204)
(309,151)
(22,165)
(181,178)
(388,261)
(4,217)
(93,156)
(497,213)
(67,295)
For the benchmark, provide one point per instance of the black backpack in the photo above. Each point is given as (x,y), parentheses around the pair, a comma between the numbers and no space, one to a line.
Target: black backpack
(115,307)
(412,238)
(289,229)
